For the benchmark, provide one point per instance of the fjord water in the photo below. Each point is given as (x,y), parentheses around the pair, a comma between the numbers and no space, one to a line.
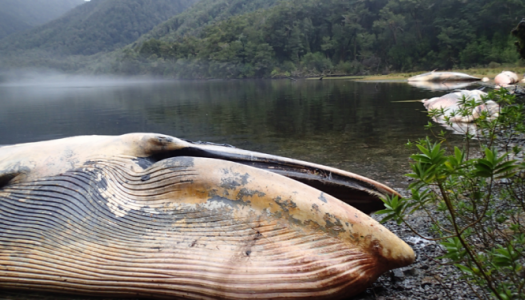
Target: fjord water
(353,125)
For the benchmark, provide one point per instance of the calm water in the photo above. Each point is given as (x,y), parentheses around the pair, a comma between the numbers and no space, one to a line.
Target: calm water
(350,125)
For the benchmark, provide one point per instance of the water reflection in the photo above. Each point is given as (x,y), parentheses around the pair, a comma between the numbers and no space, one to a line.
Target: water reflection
(351,125)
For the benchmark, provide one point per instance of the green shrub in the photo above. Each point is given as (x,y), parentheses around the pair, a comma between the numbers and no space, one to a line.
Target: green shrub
(350,67)
(494,65)
(316,61)
(474,198)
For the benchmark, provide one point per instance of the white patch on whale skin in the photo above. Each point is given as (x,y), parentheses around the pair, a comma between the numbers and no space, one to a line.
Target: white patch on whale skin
(117,205)
(214,205)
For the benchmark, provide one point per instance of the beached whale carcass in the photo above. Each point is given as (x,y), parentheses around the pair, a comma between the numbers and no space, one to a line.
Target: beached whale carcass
(443,77)
(154,216)
(506,78)
(441,86)
(451,104)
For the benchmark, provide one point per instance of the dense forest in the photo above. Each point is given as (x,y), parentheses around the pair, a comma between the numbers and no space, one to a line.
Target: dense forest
(19,15)
(269,38)
(301,37)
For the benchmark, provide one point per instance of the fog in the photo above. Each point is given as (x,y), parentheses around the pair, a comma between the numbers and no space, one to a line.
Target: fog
(55,79)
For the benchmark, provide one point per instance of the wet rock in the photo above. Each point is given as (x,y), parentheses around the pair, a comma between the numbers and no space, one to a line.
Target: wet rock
(428,281)
(397,275)
(505,181)
(410,272)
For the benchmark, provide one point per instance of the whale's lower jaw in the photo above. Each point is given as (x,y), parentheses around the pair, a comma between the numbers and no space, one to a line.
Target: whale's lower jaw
(155,216)
(187,228)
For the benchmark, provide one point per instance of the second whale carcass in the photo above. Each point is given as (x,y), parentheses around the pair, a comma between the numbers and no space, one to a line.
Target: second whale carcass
(154,216)
(451,105)
(506,78)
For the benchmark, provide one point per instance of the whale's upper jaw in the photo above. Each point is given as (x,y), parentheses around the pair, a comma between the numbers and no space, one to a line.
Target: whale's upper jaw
(360,192)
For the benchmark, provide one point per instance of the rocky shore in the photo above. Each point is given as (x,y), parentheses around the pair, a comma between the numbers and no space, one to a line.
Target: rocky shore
(427,278)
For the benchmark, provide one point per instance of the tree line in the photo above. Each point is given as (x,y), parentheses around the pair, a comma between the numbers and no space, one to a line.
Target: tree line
(306,37)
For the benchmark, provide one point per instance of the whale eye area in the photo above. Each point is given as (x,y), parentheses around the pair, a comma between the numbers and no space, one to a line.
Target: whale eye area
(6,177)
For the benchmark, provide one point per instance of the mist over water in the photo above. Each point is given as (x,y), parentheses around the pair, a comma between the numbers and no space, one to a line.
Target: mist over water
(54,79)
(350,125)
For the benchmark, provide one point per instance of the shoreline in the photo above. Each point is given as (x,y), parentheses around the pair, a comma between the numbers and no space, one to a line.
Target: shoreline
(477,72)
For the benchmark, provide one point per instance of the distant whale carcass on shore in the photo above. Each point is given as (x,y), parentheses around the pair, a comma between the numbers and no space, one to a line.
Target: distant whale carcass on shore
(451,104)
(443,76)
(150,215)
(506,78)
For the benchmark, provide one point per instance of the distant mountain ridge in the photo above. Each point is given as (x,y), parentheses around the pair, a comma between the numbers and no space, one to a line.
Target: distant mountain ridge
(96,26)
(18,15)
(10,24)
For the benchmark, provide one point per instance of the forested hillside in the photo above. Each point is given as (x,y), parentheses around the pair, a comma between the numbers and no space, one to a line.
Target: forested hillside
(18,15)
(299,37)
(96,26)
(204,13)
